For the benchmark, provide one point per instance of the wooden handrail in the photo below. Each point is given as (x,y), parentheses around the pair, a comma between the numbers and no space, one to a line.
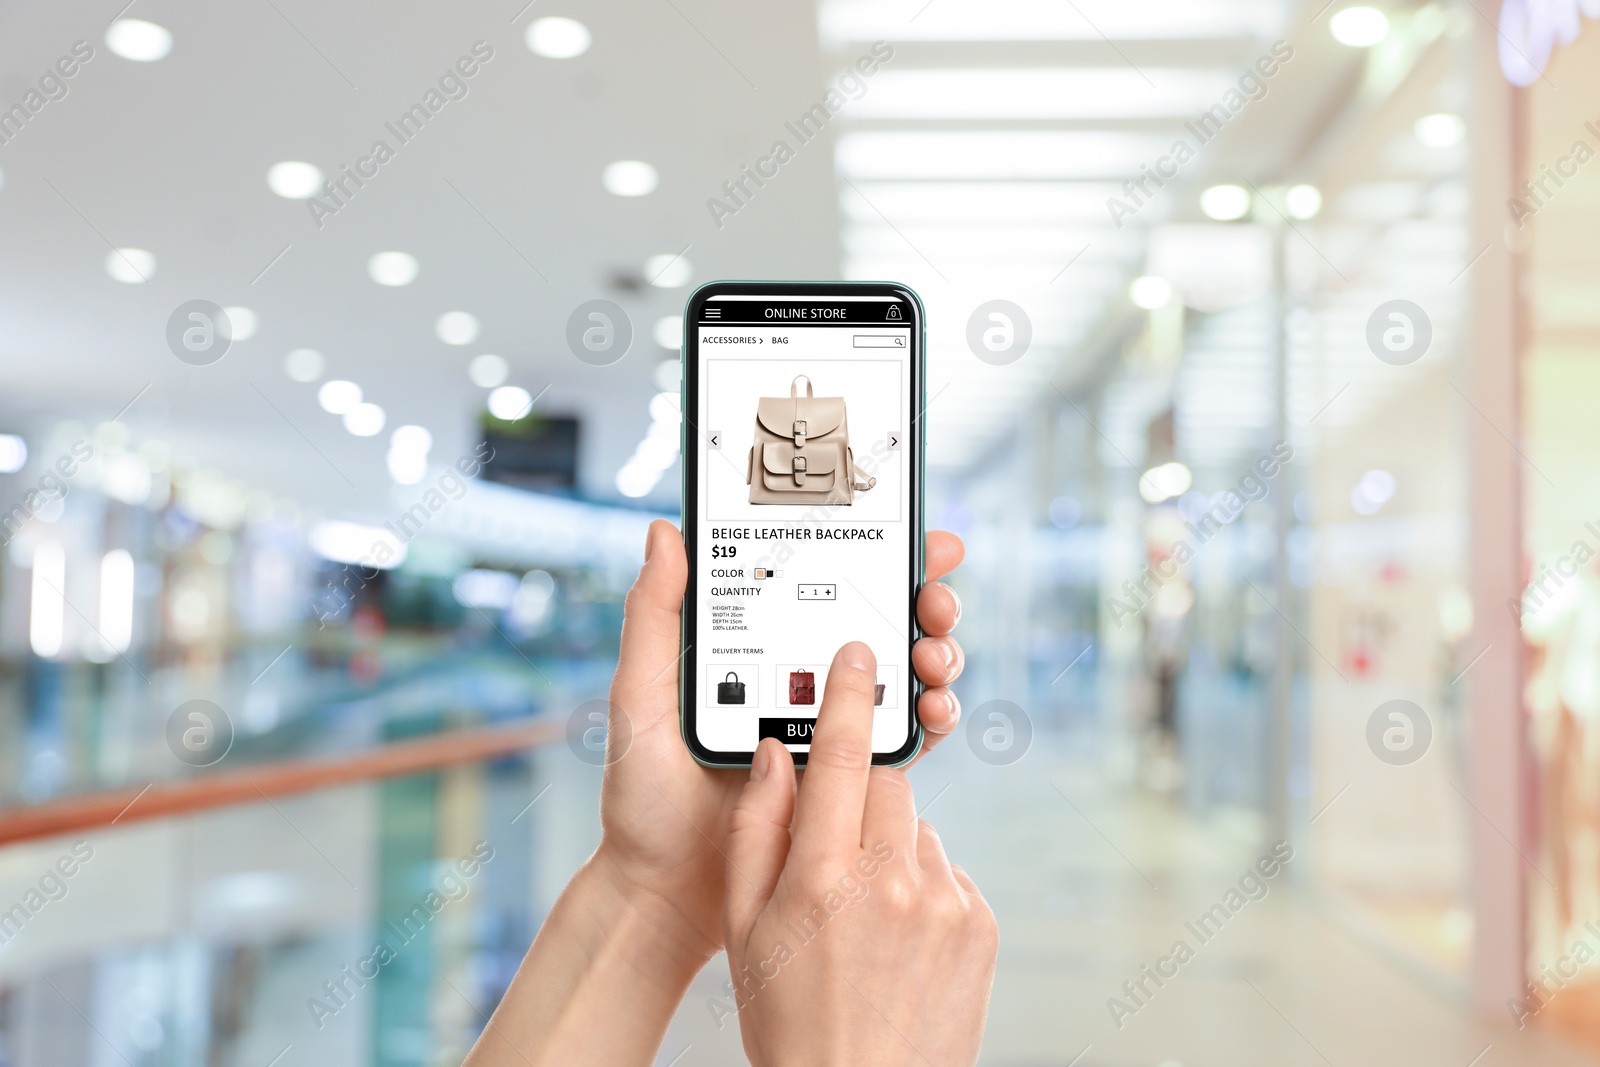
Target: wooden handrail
(252,785)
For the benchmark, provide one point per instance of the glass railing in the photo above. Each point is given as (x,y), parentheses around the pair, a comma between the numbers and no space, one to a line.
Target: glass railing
(82,727)
(356,909)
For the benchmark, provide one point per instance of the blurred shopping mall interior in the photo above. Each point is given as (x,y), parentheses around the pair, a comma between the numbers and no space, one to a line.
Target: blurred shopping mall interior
(1279,524)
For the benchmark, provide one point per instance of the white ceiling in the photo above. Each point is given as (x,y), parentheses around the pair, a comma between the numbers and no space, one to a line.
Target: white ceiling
(172,156)
(965,184)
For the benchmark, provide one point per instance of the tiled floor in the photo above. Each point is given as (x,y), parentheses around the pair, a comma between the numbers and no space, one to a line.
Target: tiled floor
(1091,885)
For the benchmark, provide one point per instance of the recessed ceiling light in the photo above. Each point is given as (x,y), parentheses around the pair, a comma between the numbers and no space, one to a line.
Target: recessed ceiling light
(664,407)
(13,453)
(141,41)
(488,371)
(1303,201)
(635,479)
(669,331)
(1441,130)
(1225,202)
(243,322)
(303,364)
(1150,292)
(132,265)
(364,420)
(338,396)
(630,177)
(347,542)
(1377,486)
(510,402)
(668,271)
(557,38)
(1359,27)
(1165,482)
(669,376)
(412,439)
(1027,92)
(457,328)
(294,180)
(993,155)
(393,268)
(407,468)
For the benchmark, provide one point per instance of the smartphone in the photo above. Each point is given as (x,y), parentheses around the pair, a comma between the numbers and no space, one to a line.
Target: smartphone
(802,509)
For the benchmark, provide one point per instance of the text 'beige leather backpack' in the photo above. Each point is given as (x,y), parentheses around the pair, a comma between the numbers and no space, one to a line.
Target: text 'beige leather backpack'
(802,451)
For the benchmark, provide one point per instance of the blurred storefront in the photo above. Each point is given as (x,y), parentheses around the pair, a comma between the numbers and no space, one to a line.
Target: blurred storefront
(1247,404)
(1549,216)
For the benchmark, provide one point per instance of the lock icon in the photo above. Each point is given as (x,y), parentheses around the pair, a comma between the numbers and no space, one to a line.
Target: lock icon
(894,313)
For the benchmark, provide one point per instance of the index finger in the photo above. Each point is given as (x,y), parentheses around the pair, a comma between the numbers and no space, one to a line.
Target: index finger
(942,553)
(833,793)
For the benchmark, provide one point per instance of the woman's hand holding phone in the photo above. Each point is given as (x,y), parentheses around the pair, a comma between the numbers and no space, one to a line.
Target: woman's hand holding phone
(663,815)
(644,914)
(851,937)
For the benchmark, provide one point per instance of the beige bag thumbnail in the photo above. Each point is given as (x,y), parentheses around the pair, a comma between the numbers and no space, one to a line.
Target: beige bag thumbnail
(802,451)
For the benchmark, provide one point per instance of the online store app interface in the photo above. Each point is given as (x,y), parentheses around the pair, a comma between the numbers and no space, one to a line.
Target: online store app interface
(806,512)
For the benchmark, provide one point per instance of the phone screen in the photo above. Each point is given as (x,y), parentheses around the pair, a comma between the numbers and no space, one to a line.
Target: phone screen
(803,508)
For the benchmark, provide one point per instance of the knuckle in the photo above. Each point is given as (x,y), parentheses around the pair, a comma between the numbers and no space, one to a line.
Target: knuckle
(897,895)
(638,612)
(980,918)
(989,934)
(946,910)
(745,818)
(840,754)
(818,881)
(892,784)
(636,601)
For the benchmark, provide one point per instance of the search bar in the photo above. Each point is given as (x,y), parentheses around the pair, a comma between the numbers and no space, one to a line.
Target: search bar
(880,340)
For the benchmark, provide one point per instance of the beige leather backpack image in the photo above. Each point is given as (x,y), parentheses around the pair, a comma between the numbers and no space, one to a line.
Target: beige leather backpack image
(801,453)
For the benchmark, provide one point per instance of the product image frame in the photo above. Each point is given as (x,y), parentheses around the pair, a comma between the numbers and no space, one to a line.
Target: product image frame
(798,440)
(691,449)
(730,691)
(802,689)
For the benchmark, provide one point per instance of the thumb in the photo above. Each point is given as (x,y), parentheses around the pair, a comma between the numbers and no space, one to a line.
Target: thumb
(758,839)
(652,625)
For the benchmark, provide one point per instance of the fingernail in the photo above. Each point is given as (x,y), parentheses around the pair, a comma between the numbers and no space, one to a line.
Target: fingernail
(957,598)
(858,656)
(761,763)
(649,541)
(947,652)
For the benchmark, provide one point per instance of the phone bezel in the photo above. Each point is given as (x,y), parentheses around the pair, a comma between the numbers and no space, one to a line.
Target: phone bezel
(688,671)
